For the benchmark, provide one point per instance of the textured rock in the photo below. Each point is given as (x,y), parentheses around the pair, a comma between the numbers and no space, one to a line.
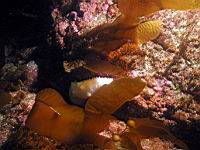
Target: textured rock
(171,72)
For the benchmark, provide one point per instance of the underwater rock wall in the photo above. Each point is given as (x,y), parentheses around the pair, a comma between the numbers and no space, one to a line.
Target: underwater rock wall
(172,50)
(171,71)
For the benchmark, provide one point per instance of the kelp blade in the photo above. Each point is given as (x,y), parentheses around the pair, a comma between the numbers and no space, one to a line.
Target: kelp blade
(60,122)
(110,97)
(128,26)
(146,128)
(137,8)
(101,67)
(142,32)
(66,123)
(178,4)
(93,125)
(50,97)
(109,44)
(145,7)
(147,31)
(131,141)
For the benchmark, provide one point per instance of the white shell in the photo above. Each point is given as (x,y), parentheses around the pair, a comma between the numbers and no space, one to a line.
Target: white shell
(80,91)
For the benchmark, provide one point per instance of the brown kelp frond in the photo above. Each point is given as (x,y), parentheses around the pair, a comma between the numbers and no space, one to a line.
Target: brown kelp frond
(110,97)
(111,39)
(66,123)
(141,7)
(93,125)
(105,95)
(53,118)
(177,4)
(101,67)
(145,7)
(50,116)
(53,98)
(128,26)
(146,128)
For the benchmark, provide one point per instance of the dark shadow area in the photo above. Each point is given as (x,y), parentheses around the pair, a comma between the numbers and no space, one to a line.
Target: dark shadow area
(28,34)
(26,21)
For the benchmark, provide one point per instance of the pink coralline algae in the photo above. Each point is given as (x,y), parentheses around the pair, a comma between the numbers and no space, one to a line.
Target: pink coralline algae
(31,73)
(94,13)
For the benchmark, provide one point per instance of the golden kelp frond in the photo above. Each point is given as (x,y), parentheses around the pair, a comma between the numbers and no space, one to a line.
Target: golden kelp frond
(138,8)
(101,67)
(66,123)
(58,121)
(147,31)
(93,125)
(141,33)
(131,141)
(107,44)
(146,128)
(128,26)
(50,97)
(110,97)
(72,125)
(178,4)
(121,22)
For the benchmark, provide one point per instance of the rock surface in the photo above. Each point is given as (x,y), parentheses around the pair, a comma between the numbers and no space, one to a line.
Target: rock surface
(170,65)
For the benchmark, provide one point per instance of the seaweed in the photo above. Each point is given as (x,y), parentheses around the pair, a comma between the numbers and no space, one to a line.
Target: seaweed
(129,27)
(95,64)
(110,97)
(52,117)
